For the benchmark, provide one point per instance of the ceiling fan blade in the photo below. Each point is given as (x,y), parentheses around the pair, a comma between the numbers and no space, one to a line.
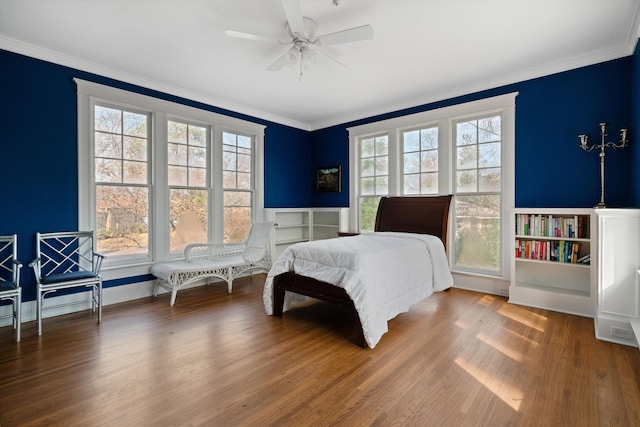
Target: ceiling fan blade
(355,34)
(293,11)
(290,57)
(256,37)
(330,57)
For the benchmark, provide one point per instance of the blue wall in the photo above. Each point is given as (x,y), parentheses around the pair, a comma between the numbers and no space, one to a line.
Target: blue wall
(38,145)
(38,153)
(551,169)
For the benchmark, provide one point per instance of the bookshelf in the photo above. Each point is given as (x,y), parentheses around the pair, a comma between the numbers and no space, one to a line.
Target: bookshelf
(306,224)
(551,260)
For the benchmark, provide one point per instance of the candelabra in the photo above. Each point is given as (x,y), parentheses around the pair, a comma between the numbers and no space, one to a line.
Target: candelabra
(584,139)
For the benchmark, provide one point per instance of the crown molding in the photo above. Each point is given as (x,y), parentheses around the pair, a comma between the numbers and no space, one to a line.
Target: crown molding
(537,72)
(532,73)
(58,58)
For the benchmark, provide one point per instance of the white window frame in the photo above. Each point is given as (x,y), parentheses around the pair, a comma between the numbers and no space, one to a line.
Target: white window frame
(359,185)
(220,173)
(420,151)
(88,94)
(209,188)
(444,119)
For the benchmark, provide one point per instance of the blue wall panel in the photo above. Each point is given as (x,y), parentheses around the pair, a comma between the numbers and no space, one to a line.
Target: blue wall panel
(330,147)
(551,169)
(287,156)
(38,152)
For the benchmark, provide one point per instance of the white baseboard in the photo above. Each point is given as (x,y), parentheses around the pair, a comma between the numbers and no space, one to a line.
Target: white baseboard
(635,326)
(606,324)
(485,284)
(65,304)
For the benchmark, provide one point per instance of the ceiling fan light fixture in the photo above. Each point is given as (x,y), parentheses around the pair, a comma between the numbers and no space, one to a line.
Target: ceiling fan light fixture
(308,57)
(302,38)
(293,55)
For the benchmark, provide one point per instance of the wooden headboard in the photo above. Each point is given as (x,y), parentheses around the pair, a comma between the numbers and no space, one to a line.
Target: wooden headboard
(415,214)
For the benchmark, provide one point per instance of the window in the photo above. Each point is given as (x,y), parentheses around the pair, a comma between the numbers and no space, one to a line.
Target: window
(420,159)
(237,161)
(155,176)
(122,179)
(478,188)
(466,150)
(374,178)
(188,184)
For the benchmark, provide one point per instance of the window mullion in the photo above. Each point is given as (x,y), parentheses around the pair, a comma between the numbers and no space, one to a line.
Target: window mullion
(446,158)
(160,189)
(395,160)
(216,234)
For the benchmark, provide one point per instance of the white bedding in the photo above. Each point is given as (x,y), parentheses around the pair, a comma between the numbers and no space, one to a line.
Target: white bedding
(384,273)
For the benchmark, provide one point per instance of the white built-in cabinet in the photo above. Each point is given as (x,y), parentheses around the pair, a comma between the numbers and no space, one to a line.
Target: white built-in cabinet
(296,225)
(618,304)
(553,260)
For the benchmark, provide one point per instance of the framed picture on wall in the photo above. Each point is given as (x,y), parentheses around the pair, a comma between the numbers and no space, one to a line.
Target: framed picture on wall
(329,179)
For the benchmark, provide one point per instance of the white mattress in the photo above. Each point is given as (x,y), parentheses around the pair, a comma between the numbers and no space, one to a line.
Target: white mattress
(383,273)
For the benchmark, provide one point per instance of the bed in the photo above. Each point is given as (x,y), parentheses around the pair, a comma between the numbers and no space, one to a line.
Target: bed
(379,274)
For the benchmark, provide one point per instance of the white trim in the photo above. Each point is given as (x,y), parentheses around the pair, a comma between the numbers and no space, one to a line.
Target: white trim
(44,54)
(458,110)
(89,93)
(444,118)
(52,56)
(488,84)
(480,283)
(80,301)
(137,100)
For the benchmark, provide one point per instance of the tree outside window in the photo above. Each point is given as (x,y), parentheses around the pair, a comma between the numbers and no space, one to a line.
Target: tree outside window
(478,187)
(188,184)
(237,176)
(121,143)
(374,178)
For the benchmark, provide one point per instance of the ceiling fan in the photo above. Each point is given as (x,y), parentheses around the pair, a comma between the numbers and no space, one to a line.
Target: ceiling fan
(304,43)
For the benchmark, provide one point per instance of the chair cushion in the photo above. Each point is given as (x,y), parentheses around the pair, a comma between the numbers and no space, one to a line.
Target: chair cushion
(7,286)
(68,277)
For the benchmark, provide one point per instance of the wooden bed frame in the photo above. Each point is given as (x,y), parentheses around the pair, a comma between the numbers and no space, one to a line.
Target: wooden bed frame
(420,214)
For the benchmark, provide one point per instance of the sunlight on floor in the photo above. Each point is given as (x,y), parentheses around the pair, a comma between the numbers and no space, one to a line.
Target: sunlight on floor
(486,300)
(526,317)
(460,324)
(508,393)
(507,349)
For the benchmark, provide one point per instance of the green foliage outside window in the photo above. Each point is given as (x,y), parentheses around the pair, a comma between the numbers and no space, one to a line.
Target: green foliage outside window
(368,211)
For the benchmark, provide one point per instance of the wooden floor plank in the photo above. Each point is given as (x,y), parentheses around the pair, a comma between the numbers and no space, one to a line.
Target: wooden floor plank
(458,358)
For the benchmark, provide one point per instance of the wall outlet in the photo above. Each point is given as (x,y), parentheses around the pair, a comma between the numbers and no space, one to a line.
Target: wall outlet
(626,334)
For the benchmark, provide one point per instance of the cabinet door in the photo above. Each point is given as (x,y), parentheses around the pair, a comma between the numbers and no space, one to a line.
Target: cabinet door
(619,263)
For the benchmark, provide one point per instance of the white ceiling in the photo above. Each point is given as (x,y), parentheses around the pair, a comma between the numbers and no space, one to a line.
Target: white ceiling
(422,51)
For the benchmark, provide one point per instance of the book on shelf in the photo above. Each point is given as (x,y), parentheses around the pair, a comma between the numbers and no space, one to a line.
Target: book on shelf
(586,259)
(575,226)
(550,250)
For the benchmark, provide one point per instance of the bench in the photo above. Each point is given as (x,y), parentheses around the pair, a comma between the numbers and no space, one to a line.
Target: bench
(219,260)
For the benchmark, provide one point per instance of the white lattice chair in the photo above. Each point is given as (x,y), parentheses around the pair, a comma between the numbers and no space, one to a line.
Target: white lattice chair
(10,278)
(224,261)
(67,260)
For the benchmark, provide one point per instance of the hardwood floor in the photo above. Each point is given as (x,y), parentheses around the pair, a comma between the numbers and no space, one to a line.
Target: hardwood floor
(216,359)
